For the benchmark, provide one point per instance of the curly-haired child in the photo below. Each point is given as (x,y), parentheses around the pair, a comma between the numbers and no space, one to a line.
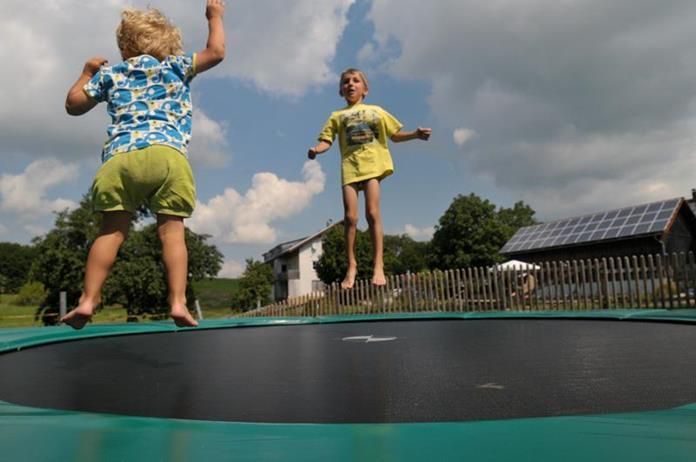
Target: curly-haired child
(144,159)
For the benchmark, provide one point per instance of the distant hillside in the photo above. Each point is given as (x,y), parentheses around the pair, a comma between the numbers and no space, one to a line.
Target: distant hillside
(215,293)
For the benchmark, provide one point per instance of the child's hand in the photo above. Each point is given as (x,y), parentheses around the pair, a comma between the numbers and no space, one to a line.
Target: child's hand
(214,8)
(423,133)
(93,64)
(312,153)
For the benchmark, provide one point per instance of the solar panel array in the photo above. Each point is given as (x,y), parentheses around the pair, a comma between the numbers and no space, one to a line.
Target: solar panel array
(622,223)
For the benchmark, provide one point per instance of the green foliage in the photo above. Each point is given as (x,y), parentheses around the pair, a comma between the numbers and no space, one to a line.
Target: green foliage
(255,286)
(30,294)
(61,256)
(401,254)
(15,263)
(4,284)
(333,263)
(471,232)
(137,280)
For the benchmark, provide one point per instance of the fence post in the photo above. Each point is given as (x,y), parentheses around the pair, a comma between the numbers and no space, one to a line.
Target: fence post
(668,275)
(199,312)
(546,294)
(690,286)
(534,285)
(629,287)
(575,280)
(63,297)
(675,275)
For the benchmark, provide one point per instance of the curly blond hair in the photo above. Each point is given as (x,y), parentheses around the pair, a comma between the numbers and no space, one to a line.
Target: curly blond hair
(147,32)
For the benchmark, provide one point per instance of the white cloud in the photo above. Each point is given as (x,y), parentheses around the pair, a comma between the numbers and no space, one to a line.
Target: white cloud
(462,135)
(35,230)
(286,52)
(3,230)
(247,219)
(419,234)
(231,269)
(208,142)
(49,46)
(567,99)
(25,193)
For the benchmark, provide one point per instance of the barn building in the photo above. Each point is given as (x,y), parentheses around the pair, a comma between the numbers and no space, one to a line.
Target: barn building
(662,227)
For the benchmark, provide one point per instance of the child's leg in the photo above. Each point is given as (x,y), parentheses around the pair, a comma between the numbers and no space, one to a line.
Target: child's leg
(374,220)
(350,224)
(102,255)
(175,255)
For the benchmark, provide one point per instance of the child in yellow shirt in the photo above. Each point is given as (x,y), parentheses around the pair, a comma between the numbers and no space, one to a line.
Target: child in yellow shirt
(363,132)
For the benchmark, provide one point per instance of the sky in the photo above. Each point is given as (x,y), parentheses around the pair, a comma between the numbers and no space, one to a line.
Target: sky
(572,106)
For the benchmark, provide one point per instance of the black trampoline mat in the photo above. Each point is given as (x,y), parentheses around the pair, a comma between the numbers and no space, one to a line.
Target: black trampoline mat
(371,372)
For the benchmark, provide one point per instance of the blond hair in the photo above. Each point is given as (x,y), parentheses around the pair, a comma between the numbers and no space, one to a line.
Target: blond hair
(352,70)
(147,32)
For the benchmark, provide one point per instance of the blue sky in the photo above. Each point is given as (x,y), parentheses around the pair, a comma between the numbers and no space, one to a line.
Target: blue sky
(573,107)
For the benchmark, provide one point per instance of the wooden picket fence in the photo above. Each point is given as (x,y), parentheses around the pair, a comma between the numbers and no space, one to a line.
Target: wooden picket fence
(640,281)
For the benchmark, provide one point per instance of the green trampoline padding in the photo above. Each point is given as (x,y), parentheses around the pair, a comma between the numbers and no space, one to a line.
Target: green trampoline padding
(30,434)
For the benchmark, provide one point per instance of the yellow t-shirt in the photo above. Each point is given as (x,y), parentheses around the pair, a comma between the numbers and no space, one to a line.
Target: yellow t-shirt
(363,132)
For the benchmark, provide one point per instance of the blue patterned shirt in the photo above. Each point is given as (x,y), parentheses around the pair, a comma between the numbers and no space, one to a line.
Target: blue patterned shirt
(149,102)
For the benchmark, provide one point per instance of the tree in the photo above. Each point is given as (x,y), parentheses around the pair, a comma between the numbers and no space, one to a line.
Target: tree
(15,263)
(471,232)
(401,254)
(519,216)
(61,256)
(333,263)
(137,280)
(4,284)
(255,286)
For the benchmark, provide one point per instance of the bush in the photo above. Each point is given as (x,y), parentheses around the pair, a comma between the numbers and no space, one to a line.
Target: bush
(4,283)
(31,293)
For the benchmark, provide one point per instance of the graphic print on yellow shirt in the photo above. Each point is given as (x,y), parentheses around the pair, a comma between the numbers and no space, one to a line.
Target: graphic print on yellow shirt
(361,127)
(363,133)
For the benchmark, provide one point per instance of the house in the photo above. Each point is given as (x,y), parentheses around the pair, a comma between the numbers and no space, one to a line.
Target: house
(663,227)
(293,265)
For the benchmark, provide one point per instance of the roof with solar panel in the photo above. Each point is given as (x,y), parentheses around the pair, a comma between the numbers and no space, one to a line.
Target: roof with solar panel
(628,222)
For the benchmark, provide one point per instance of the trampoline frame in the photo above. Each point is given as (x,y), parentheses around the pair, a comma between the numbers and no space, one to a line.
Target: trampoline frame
(34,434)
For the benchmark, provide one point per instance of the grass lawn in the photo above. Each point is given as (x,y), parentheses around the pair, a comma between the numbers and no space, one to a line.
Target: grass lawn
(23,316)
(214,296)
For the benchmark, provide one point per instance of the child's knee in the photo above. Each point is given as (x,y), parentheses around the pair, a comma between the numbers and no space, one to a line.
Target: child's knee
(373,216)
(350,220)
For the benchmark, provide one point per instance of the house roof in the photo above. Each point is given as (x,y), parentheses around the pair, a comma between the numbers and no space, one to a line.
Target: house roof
(655,218)
(285,248)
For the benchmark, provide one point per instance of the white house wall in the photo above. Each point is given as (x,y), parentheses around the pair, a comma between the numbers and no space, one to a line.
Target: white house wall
(307,255)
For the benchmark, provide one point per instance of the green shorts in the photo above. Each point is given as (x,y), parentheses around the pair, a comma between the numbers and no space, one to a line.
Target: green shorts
(158,177)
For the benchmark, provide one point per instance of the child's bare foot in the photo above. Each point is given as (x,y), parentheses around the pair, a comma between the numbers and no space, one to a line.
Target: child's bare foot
(349,280)
(182,317)
(78,317)
(378,278)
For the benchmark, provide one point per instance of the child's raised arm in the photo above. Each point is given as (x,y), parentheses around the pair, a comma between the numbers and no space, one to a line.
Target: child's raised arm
(214,51)
(419,133)
(77,102)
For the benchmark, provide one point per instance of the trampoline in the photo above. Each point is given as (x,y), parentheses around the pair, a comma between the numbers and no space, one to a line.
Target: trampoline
(325,385)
